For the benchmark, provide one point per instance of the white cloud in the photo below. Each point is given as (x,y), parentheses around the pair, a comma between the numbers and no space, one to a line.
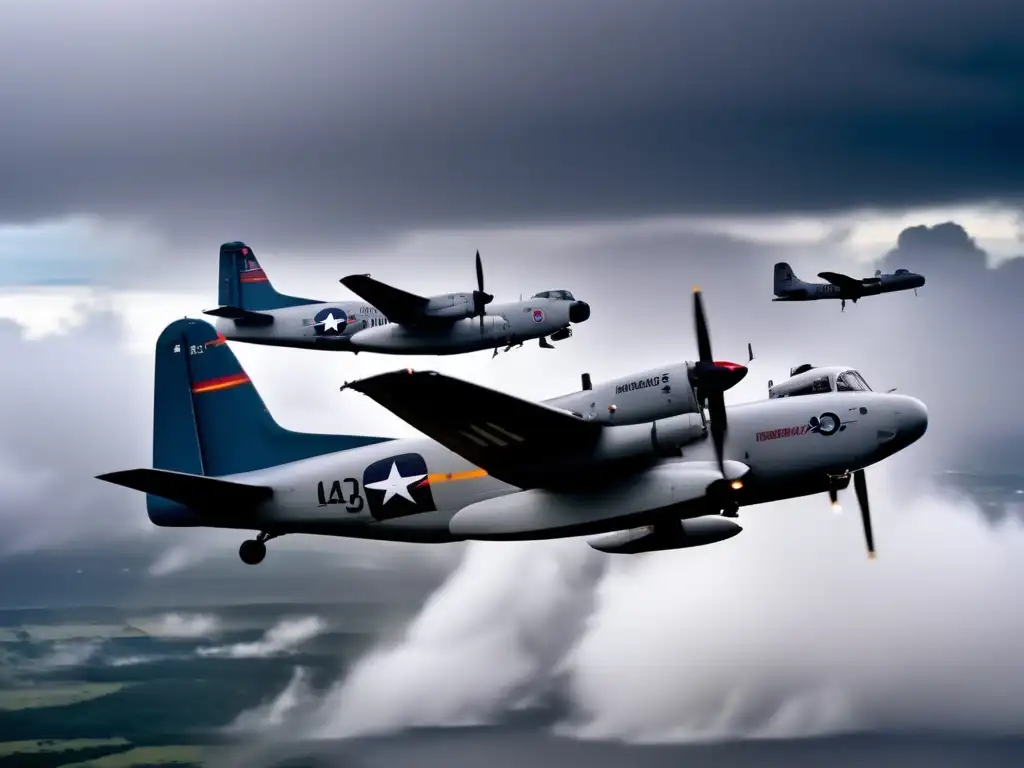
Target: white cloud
(183,625)
(283,638)
(503,619)
(789,629)
(279,709)
(785,631)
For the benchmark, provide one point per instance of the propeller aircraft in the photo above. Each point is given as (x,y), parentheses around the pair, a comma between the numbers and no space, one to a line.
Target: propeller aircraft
(388,320)
(788,287)
(636,463)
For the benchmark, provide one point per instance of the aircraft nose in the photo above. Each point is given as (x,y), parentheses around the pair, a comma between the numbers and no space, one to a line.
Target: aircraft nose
(579,311)
(911,419)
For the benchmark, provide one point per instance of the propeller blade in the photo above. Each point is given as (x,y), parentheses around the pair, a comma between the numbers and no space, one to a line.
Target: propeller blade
(712,394)
(480,298)
(719,426)
(860,485)
(703,337)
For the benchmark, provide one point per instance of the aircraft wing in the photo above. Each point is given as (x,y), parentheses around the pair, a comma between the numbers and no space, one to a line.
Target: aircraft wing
(516,441)
(842,281)
(399,306)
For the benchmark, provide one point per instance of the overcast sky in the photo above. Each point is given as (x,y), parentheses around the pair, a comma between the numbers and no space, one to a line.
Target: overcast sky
(622,151)
(309,122)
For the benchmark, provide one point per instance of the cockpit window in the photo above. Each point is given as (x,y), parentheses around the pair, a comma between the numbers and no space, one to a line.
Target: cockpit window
(845,382)
(860,378)
(565,295)
(851,381)
(902,271)
(819,385)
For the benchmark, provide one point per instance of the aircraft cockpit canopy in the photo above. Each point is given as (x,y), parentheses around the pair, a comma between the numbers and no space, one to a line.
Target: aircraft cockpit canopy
(818,380)
(564,295)
(851,381)
(902,272)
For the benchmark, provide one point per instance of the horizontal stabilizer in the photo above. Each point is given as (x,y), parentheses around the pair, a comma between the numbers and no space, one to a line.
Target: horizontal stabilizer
(237,313)
(193,491)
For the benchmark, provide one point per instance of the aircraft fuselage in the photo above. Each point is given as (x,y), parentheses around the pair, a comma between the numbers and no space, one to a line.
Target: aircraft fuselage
(804,291)
(360,327)
(411,489)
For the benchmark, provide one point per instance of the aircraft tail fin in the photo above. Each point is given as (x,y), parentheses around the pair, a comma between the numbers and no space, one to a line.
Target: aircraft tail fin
(245,286)
(784,278)
(208,417)
(210,421)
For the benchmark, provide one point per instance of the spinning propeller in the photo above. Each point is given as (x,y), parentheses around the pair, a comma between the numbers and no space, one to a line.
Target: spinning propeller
(711,378)
(480,299)
(860,486)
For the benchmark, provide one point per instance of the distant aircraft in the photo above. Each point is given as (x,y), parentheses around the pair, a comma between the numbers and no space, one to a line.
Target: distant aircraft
(788,287)
(636,461)
(387,320)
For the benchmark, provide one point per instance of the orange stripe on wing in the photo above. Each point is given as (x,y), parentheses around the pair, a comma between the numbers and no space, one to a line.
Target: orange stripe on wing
(449,477)
(222,382)
(217,341)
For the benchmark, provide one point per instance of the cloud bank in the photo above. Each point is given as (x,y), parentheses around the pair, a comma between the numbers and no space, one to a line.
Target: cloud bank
(785,631)
(316,123)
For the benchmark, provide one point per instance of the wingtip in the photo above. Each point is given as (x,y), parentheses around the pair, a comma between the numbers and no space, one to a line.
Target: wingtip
(118,477)
(359,385)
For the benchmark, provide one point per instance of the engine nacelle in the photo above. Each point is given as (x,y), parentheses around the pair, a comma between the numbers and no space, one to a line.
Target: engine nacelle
(451,305)
(695,532)
(659,439)
(678,488)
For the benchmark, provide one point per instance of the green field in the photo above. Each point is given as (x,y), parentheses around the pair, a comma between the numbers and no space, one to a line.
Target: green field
(56,632)
(9,748)
(57,695)
(61,708)
(147,756)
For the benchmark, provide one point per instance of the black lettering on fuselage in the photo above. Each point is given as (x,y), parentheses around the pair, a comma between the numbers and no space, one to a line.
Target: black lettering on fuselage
(353,504)
(639,384)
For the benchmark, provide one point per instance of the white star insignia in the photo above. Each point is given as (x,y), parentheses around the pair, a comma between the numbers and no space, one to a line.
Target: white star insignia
(330,323)
(395,484)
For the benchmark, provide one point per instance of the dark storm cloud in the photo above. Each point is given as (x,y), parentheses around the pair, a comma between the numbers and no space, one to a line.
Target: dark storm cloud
(305,123)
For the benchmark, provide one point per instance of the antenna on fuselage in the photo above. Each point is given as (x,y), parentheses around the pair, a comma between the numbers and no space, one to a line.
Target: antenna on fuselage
(586,382)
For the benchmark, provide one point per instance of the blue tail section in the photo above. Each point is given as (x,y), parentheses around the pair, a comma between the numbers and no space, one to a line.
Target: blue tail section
(244,284)
(208,418)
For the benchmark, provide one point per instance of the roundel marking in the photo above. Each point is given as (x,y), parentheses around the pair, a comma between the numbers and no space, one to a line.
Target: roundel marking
(538,315)
(330,321)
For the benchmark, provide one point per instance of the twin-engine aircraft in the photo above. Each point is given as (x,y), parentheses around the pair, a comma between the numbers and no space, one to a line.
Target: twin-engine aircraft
(636,463)
(788,287)
(388,320)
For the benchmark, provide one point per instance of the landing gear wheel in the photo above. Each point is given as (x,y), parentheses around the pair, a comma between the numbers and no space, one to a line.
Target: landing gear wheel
(731,510)
(252,552)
